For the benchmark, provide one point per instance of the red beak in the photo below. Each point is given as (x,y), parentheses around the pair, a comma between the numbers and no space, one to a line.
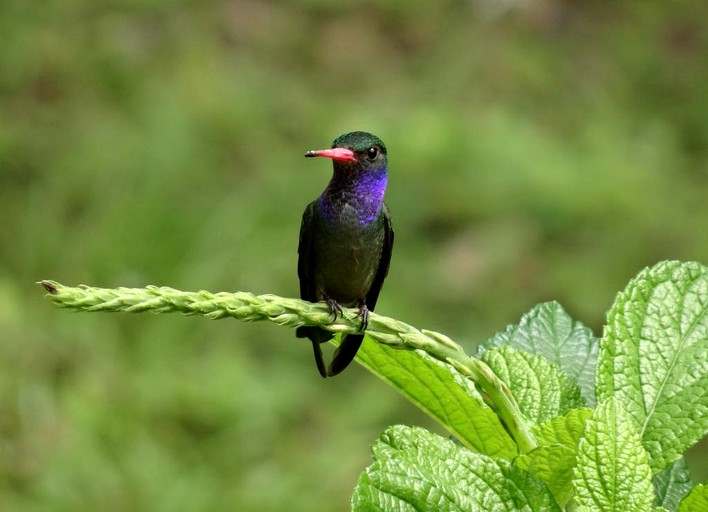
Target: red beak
(338,154)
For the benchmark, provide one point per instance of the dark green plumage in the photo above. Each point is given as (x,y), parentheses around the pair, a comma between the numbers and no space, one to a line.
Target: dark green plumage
(346,239)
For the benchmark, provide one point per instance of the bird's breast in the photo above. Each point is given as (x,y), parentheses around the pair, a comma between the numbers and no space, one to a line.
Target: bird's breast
(347,254)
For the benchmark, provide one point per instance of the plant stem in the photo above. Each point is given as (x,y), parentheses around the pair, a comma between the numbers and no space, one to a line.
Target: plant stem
(294,313)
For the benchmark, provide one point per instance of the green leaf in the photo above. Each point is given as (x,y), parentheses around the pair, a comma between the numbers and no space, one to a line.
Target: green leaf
(553,461)
(672,484)
(541,389)
(548,331)
(612,473)
(553,465)
(654,357)
(565,430)
(414,469)
(441,392)
(696,501)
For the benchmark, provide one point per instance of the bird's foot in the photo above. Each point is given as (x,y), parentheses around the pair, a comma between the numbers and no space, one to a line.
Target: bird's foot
(364,315)
(334,308)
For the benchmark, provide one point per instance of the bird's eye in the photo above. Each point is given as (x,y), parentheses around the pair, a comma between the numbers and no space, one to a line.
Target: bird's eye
(372,152)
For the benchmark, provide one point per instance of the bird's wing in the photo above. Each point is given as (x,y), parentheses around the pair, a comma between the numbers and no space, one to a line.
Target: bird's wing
(305,272)
(384,262)
(305,260)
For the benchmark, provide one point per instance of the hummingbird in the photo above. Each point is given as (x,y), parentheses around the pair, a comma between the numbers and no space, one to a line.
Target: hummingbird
(346,239)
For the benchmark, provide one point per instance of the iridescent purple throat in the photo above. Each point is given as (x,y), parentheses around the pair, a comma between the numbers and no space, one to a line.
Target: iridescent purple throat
(354,190)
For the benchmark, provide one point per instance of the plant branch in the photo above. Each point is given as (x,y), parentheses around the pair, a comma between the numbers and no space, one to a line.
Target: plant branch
(288,312)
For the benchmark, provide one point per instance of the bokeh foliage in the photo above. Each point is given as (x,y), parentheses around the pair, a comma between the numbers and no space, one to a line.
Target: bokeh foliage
(544,150)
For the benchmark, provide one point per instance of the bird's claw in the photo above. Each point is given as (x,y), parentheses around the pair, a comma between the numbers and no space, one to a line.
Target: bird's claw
(364,315)
(334,308)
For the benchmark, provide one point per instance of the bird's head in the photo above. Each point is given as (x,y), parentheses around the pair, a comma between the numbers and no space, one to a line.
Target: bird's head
(355,149)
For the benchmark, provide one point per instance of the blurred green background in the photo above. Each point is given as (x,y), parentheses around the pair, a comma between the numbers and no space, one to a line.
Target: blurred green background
(538,150)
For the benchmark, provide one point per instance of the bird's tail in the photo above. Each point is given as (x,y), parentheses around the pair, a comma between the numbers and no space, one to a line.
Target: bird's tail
(345,353)
(317,336)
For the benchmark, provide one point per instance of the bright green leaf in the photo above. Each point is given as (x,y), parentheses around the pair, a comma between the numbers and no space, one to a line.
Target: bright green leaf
(565,430)
(548,331)
(541,389)
(654,357)
(696,501)
(552,464)
(553,461)
(612,473)
(672,484)
(414,469)
(440,391)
